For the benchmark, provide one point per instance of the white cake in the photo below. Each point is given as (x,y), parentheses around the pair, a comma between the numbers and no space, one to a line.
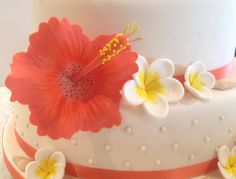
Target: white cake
(184,140)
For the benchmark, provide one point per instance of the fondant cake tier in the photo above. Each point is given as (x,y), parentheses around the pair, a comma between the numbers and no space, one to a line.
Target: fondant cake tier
(188,137)
(181,30)
(90,102)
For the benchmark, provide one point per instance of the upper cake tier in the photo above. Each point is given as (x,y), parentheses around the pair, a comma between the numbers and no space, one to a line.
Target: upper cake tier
(182,30)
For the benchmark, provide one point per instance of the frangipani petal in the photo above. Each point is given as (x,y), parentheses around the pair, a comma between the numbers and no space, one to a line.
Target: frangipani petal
(60,171)
(208,79)
(187,73)
(142,67)
(224,173)
(164,67)
(43,153)
(59,157)
(198,66)
(133,94)
(30,170)
(204,94)
(174,90)
(158,108)
(233,151)
(223,155)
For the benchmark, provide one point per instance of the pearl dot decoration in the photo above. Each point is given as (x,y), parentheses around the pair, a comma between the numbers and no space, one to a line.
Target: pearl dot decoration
(230,130)
(90,161)
(207,139)
(191,157)
(127,164)
(222,117)
(158,162)
(175,146)
(128,130)
(27,125)
(36,144)
(74,142)
(194,122)
(107,147)
(163,129)
(143,148)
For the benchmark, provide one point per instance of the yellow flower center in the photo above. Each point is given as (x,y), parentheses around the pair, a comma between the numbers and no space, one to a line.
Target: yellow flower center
(46,168)
(195,81)
(150,86)
(231,165)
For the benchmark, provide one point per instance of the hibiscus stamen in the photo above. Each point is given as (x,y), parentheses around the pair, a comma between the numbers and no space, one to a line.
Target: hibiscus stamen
(115,46)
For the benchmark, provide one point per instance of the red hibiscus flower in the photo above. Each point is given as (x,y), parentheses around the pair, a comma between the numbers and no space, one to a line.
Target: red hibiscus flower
(69,82)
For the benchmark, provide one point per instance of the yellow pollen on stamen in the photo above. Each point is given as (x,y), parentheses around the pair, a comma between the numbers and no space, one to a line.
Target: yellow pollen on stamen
(113,48)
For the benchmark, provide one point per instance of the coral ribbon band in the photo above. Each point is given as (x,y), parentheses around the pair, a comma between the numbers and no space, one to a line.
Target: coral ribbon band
(84,172)
(14,173)
(219,73)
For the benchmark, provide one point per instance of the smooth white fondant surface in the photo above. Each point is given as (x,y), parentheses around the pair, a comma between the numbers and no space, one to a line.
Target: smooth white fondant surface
(181,30)
(189,134)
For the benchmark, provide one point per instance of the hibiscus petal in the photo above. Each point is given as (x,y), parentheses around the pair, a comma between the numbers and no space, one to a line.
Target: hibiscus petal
(159,108)
(173,89)
(24,79)
(133,94)
(139,77)
(223,155)
(43,153)
(208,79)
(164,67)
(59,157)
(204,94)
(224,173)
(30,170)
(57,43)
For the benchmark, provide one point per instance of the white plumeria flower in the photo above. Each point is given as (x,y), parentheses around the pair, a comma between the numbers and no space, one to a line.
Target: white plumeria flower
(198,81)
(227,162)
(47,165)
(153,86)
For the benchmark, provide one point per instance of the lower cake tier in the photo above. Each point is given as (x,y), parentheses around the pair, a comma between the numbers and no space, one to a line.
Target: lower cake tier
(15,158)
(182,145)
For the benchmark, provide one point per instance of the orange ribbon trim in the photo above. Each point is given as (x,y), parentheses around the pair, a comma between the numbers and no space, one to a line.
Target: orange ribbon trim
(219,73)
(84,172)
(14,173)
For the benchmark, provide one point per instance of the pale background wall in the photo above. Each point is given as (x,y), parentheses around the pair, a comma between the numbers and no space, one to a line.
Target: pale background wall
(14,31)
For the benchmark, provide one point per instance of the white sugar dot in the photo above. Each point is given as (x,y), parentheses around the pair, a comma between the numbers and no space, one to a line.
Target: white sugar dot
(158,162)
(222,117)
(230,130)
(191,156)
(74,141)
(163,129)
(36,144)
(90,161)
(128,129)
(194,122)
(143,148)
(175,146)
(207,139)
(107,147)
(127,164)
(27,125)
